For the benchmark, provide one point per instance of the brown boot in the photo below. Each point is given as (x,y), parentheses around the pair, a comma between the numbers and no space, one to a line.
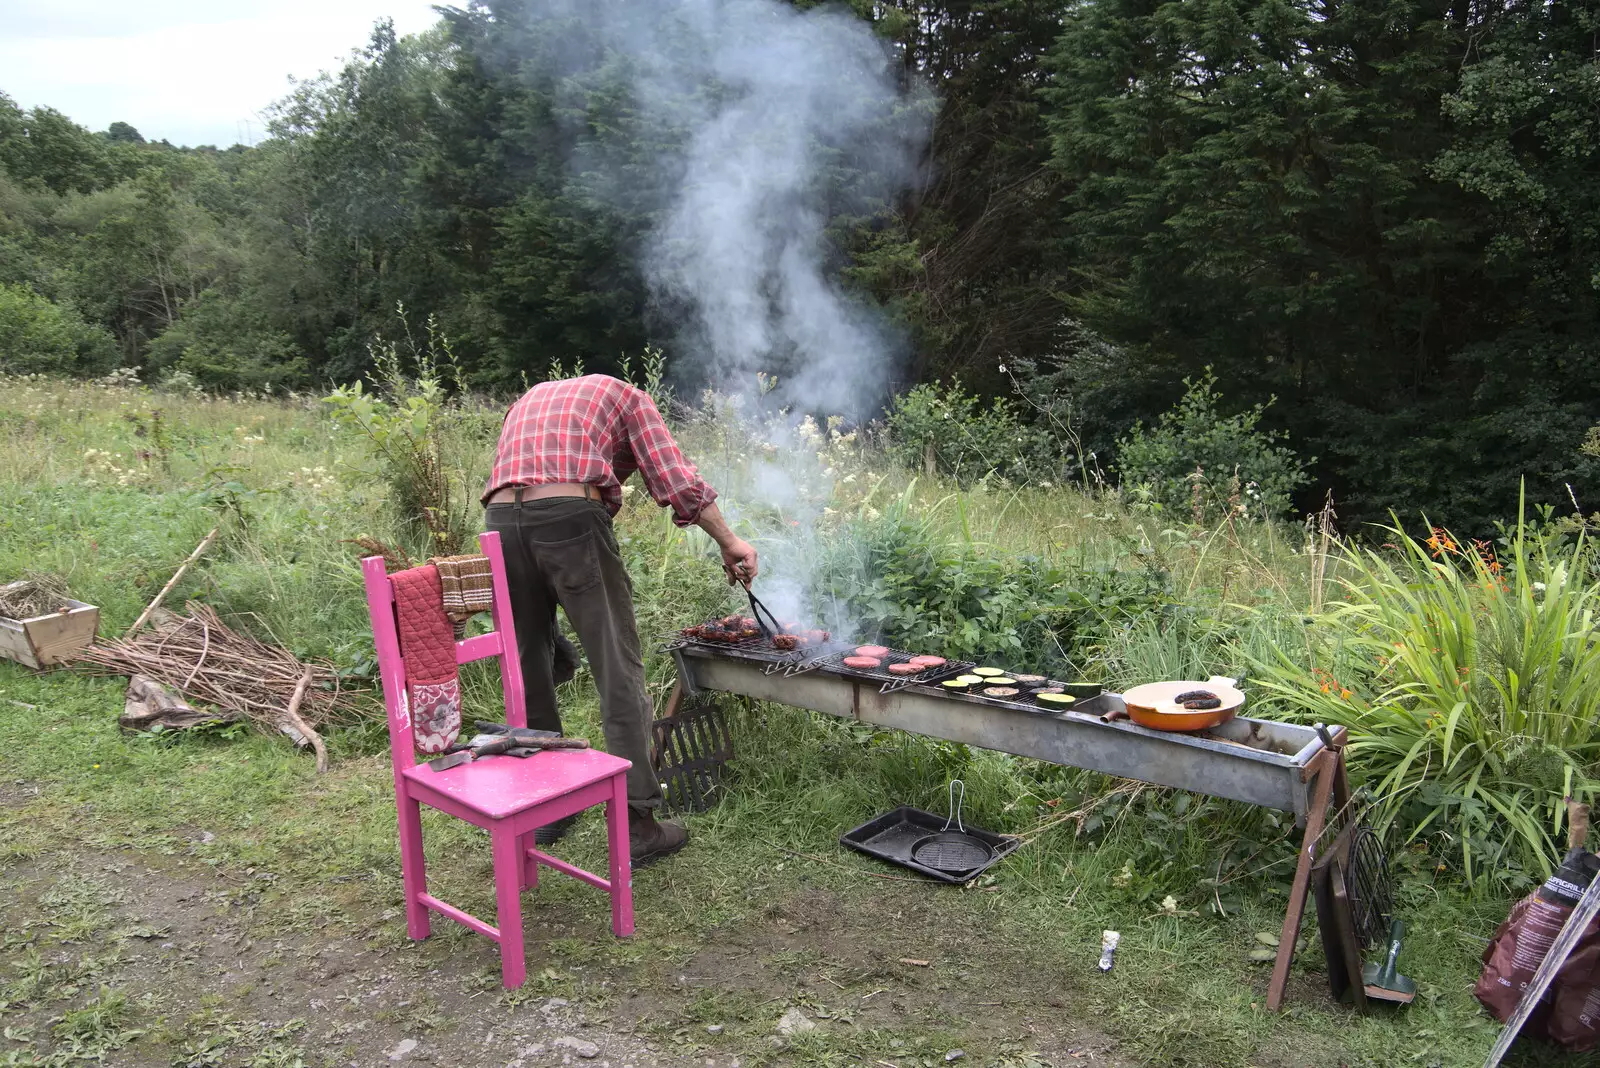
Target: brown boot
(649,841)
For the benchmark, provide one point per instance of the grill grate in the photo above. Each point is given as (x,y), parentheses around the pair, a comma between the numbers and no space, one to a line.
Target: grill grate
(814,657)
(760,650)
(691,744)
(1367,884)
(892,682)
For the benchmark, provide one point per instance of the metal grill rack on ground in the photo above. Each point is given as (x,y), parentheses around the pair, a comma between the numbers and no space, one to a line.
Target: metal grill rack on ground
(691,744)
(891,682)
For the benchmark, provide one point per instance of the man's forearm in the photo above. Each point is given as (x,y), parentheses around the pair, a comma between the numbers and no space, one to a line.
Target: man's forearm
(712,523)
(738,555)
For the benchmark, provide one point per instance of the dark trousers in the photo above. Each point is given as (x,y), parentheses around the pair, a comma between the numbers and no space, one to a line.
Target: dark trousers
(561,551)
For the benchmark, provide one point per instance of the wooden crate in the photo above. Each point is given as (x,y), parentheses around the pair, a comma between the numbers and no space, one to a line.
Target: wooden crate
(51,639)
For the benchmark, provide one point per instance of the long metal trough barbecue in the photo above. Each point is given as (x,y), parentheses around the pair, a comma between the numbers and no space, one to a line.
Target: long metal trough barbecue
(1284,766)
(1251,760)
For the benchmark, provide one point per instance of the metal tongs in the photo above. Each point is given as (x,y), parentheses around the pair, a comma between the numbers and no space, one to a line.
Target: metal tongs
(756,610)
(494,739)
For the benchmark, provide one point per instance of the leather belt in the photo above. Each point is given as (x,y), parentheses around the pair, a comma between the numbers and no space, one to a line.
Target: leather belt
(518,494)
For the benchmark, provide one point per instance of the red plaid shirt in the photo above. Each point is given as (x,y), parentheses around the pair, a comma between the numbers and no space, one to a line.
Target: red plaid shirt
(596,430)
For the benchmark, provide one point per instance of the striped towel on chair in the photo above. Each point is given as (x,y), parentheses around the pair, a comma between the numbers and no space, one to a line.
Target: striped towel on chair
(468,585)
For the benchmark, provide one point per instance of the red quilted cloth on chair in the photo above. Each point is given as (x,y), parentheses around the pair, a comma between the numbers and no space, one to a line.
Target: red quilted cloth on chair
(428,644)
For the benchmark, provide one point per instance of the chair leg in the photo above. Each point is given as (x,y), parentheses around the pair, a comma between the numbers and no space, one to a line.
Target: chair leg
(621,860)
(413,870)
(530,867)
(508,899)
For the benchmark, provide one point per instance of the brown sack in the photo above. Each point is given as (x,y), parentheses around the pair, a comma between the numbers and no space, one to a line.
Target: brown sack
(1513,955)
(1519,946)
(1575,1008)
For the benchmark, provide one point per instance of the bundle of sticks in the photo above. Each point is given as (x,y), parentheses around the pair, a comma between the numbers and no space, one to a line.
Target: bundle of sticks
(203,658)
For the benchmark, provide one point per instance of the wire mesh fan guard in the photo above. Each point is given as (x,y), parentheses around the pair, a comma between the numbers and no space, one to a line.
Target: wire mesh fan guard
(1368,886)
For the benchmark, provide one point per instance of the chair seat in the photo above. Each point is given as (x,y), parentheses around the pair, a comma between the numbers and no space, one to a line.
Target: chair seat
(501,786)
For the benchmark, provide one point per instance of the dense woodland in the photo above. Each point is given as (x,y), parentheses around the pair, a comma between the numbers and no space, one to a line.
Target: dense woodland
(1383,213)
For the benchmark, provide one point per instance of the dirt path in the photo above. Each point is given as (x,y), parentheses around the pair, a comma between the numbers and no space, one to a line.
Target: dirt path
(205,975)
(146,959)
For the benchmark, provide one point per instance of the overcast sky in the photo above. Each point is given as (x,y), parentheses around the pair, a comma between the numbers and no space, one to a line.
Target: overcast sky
(191,71)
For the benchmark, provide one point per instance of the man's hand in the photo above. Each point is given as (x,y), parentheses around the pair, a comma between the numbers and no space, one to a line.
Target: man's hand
(738,555)
(739,561)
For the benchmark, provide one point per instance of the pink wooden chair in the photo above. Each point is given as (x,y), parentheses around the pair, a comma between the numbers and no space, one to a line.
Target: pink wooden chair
(507,796)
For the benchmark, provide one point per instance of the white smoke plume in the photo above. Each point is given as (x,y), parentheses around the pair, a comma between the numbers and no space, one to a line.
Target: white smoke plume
(744,242)
(775,119)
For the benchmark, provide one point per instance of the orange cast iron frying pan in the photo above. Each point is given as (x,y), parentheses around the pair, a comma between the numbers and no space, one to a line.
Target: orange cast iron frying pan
(1152,705)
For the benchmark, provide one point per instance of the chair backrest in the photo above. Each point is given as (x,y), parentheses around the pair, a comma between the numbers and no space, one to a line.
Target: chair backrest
(501,642)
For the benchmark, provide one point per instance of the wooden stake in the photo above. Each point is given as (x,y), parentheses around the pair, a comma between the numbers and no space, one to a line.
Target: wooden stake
(1321,792)
(1577,824)
(292,717)
(674,700)
(199,550)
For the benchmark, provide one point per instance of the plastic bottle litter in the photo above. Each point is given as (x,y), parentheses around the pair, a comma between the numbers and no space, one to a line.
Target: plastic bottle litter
(1108,946)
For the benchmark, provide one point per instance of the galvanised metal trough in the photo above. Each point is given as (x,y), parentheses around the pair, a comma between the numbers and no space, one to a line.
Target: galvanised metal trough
(1256,761)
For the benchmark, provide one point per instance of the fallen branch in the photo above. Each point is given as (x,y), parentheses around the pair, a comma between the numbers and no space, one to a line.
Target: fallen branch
(199,550)
(292,716)
(1129,788)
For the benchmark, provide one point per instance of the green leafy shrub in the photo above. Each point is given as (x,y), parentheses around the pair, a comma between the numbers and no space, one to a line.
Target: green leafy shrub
(1197,462)
(1470,684)
(955,599)
(970,437)
(226,345)
(38,335)
(407,429)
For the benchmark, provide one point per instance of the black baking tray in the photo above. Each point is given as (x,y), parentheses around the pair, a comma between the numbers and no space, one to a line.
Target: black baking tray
(891,836)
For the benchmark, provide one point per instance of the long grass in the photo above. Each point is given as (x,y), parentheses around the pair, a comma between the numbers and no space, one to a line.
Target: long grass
(1470,681)
(1098,855)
